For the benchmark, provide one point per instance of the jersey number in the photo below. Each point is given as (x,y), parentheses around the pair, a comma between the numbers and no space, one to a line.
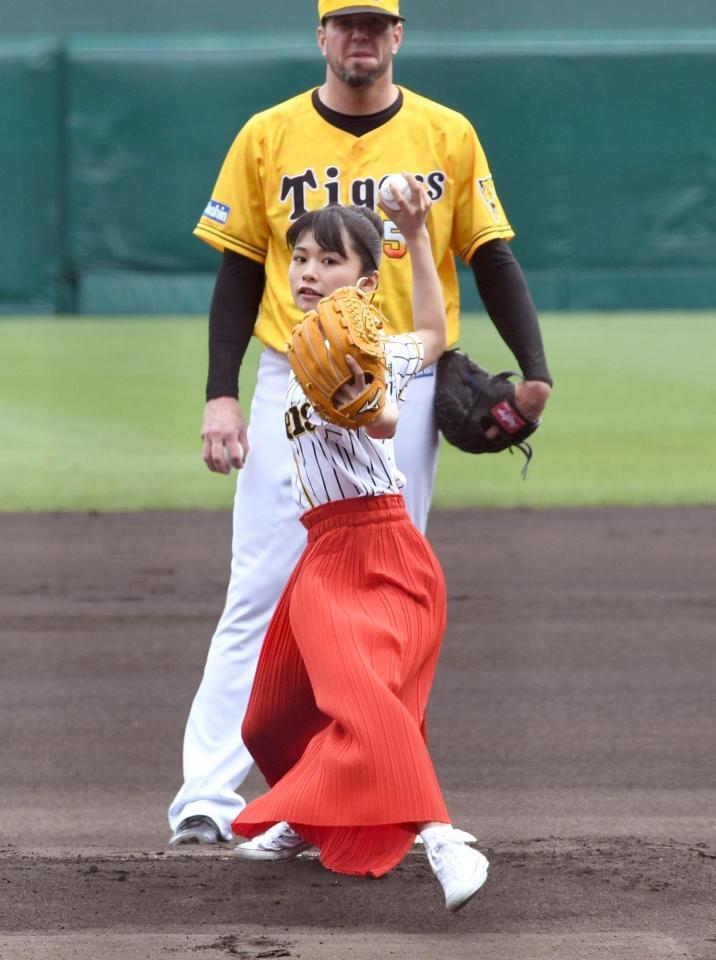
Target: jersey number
(393,241)
(297,421)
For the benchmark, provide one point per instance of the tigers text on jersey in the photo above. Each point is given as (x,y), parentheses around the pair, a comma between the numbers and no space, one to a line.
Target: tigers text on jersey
(333,463)
(289,159)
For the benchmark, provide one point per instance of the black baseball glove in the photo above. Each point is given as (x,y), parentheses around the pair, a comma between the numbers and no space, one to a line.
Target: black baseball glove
(469,400)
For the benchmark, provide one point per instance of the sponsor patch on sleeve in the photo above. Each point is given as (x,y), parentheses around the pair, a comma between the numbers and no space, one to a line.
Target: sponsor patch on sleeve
(217,211)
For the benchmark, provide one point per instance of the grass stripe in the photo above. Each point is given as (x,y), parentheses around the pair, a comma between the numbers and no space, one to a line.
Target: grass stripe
(104,414)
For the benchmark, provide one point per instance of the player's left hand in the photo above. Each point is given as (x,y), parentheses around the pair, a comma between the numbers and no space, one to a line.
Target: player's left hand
(531,397)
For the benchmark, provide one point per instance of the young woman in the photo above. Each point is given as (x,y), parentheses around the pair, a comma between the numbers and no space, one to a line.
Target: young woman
(336,717)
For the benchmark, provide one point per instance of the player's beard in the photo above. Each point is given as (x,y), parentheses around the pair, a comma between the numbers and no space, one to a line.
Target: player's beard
(355,78)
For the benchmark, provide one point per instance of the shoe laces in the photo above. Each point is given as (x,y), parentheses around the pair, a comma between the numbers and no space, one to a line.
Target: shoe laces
(197,821)
(280,836)
(448,857)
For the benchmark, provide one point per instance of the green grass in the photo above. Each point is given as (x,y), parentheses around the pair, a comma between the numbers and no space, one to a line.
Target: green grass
(104,414)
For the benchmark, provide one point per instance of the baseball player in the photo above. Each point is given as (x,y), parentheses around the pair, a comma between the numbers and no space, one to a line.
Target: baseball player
(333,144)
(336,716)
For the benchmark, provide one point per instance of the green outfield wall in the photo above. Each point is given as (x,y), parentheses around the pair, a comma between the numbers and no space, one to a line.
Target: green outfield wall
(602,143)
(31,174)
(65,19)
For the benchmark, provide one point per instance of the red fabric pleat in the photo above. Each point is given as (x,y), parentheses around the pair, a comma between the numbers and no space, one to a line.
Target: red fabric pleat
(336,718)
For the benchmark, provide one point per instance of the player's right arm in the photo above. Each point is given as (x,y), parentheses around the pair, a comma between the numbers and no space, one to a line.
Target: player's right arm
(234,306)
(429,317)
(233,222)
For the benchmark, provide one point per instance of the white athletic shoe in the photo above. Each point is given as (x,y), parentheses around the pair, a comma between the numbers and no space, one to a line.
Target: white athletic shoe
(457,834)
(279,842)
(460,870)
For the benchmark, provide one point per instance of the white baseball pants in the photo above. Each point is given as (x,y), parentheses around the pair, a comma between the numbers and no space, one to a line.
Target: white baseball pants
(267,542)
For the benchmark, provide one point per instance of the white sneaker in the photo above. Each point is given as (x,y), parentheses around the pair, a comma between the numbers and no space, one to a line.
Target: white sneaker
(279,842)
(457,834)
(460,870)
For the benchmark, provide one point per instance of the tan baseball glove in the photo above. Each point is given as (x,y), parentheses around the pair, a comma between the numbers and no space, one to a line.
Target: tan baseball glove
(346,322)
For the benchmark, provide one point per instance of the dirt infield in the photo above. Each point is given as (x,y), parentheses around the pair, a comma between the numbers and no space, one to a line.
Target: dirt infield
(572,725)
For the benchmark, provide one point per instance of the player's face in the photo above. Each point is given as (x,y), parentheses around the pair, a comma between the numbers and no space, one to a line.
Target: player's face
(360,47)
(316,272)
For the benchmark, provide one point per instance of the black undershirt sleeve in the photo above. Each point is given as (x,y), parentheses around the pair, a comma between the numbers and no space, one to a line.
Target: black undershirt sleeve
(232,316)
(503,289)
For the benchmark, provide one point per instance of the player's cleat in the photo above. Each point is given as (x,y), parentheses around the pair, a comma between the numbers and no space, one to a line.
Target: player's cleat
(457,834)
(279,842)
(196,830)
(460,870)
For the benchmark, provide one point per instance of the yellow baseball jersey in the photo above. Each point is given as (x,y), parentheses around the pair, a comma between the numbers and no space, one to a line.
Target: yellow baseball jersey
(288,160)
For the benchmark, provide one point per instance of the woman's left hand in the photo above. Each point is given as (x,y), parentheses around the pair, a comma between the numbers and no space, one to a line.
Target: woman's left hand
(349,391)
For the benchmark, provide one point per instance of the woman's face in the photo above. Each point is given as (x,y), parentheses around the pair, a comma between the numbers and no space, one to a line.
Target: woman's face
(316,273)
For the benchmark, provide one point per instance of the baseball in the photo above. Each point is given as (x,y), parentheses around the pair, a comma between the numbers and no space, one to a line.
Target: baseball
(227,456)
(392,185)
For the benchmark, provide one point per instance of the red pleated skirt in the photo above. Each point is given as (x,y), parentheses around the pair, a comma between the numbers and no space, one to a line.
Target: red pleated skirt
(336,718)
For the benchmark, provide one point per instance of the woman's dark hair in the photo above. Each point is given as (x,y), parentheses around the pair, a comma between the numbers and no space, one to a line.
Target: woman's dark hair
(363,226)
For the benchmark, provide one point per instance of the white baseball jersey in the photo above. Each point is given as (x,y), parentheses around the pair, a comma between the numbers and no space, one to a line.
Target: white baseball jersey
(333,463)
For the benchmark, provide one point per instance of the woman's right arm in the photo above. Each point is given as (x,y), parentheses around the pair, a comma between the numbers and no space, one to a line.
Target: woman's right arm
(429,319)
